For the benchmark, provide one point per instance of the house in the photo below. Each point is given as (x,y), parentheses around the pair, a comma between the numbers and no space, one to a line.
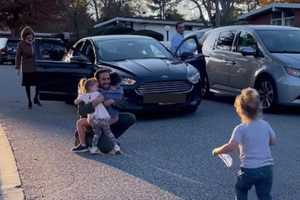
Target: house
(166,29)
(285,14)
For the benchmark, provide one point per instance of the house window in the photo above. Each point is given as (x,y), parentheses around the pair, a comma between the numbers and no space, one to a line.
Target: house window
(283,18)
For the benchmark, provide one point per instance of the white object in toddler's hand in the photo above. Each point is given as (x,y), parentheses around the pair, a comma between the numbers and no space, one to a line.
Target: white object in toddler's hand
(226,158)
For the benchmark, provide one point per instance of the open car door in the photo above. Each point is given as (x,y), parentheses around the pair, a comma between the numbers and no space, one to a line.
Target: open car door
(190,51)
(58,78)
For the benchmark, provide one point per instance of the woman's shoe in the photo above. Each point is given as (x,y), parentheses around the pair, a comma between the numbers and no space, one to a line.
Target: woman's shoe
(37,102)
(30,105)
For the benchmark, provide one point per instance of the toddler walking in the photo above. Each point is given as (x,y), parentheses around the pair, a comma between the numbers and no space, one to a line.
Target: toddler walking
(99,120)
(253,138)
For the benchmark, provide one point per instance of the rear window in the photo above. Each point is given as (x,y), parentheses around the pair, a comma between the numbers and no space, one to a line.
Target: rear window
(3,42)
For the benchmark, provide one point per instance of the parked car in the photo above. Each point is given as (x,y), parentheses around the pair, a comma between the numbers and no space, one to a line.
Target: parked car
(151,76)
(264,57)
(8,49)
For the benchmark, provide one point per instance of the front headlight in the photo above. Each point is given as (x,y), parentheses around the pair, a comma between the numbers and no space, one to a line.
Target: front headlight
(128,81)
(293,71)
(193,75)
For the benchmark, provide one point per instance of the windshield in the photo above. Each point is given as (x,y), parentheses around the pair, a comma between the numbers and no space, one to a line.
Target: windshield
(281,41)
(135,48)
(12,44)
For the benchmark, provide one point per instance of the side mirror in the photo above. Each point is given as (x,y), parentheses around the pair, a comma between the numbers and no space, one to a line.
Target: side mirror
(248,51)
(78,59)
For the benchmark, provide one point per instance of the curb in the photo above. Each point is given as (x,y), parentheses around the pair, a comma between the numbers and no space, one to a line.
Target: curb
(10,183)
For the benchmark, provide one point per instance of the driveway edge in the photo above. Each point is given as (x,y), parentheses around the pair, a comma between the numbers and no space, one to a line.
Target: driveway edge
(10,183)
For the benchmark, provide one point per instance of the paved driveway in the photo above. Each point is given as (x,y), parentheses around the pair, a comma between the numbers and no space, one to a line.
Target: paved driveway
(165,157)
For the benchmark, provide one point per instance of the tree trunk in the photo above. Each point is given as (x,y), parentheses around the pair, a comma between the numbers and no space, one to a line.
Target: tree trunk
(96,9)
(201,17)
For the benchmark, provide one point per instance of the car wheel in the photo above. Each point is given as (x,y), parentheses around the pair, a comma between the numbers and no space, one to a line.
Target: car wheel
(205,87)
(268,94)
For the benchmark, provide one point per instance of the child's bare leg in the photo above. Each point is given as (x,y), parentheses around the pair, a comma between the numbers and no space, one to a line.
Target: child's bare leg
(82,125)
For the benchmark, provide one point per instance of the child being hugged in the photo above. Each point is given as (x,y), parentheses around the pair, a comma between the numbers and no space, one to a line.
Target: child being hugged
(99,120)
(115,92)
(253,138)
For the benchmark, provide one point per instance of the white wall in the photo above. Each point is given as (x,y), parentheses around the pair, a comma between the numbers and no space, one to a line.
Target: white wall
(160,29)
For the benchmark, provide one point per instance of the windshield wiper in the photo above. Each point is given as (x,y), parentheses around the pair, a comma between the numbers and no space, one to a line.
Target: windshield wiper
(163,58)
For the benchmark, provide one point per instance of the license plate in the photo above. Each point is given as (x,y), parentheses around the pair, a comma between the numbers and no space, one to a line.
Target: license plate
(165,98)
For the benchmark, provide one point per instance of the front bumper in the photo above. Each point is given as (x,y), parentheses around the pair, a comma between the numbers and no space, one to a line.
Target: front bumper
(289,90)
(135,102)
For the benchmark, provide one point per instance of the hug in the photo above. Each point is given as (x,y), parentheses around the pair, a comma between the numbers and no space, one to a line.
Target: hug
(101,123)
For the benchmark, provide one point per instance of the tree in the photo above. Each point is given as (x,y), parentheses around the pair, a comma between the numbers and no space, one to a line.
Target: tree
(14,14)
(222,12)
(265,2)
(164,8)
(108,9)
(76,15)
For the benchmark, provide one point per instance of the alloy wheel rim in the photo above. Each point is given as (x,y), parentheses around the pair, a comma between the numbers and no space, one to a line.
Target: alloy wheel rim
(266,93)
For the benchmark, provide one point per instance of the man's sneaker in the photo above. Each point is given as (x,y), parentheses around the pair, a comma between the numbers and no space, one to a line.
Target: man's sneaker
(80,148)
(94,150)
(116,150)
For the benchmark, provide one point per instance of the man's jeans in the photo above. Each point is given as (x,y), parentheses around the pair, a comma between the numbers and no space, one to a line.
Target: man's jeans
(261,178)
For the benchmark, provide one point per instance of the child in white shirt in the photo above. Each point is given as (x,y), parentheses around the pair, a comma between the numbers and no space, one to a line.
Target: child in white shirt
(253,138)
(99,120)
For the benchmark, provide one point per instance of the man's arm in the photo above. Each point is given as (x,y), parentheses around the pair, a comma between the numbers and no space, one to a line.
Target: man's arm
(97,101)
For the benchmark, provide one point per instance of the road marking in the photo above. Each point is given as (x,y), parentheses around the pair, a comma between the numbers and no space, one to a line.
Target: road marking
(10,183)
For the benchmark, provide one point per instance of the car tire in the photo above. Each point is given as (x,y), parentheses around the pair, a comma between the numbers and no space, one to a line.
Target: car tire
(268,93)
(205,93)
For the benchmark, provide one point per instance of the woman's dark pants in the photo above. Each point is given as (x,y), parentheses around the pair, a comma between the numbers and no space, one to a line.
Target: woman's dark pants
(261,178)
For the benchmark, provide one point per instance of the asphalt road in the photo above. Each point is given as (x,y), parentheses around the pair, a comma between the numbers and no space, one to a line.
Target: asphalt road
(165,157)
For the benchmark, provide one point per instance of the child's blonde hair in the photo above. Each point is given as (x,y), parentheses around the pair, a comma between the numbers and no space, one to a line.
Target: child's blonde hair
(85,84)
(247,104)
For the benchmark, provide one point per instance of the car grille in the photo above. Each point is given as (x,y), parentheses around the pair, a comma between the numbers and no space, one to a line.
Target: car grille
(164,87)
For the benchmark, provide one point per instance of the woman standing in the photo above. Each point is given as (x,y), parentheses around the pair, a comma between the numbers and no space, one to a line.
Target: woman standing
(25,61)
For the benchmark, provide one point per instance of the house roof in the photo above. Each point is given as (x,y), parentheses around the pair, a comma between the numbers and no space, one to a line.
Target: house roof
(144,21)
(268,8)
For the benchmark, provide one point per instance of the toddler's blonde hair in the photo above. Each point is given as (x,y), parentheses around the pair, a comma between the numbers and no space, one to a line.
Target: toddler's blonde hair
(248,105)
(85,84)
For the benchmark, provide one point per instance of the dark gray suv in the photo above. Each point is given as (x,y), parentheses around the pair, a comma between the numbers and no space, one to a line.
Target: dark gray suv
(264,57)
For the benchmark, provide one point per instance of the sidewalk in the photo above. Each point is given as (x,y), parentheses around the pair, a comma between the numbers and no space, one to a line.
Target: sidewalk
(10,184)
